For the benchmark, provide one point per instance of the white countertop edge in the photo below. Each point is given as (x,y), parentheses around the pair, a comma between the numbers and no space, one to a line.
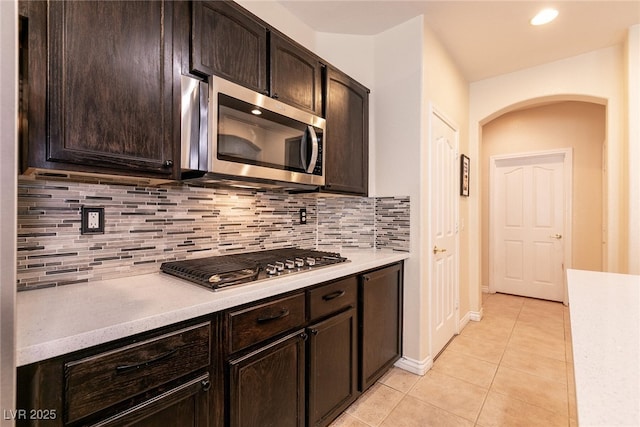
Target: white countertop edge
(95,313)
(605,336)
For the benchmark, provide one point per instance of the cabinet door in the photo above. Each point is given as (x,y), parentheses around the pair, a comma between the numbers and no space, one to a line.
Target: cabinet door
(380,322)
(266,387)
(103,72)
(332,367)
(296,75)
(183,406)
(347,135)
(227,42)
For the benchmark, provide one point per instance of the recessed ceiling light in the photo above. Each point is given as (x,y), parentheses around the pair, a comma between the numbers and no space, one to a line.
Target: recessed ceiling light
(256,111)
(544,17)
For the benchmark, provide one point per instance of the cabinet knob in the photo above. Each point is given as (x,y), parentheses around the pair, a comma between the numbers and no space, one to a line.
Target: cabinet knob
(274,96)
(314,331)
(167,163)
(206,385)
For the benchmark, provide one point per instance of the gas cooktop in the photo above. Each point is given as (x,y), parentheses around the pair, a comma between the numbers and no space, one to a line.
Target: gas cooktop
(217,272)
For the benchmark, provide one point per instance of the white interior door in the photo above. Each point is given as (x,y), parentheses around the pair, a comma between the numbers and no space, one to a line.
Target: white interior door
(528,215)
(443,253)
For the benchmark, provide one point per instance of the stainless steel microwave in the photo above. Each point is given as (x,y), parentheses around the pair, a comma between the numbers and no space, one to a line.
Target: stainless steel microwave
(233,134)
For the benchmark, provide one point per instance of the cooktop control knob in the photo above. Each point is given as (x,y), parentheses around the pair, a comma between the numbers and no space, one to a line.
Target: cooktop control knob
(289,264)
(299,262)
(280,265)
(271,269)
(311,261)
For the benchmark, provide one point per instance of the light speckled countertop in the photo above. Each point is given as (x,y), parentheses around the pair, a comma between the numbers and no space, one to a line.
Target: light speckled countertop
(55,321)
(605,328)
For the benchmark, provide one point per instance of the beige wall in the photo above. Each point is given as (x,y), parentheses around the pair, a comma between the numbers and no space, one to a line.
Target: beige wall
(633,146)
(448,91)
(576,125)
(397,94)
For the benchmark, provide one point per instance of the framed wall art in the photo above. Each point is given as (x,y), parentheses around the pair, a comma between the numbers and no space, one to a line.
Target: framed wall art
(464,175)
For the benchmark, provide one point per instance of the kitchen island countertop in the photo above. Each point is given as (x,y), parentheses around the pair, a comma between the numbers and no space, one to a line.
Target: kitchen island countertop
(604,309)
(55,321)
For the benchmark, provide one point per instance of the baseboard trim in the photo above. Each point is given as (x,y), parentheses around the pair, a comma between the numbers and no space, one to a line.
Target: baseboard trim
(485,289)
(463,322)
(476,316)
(415,366)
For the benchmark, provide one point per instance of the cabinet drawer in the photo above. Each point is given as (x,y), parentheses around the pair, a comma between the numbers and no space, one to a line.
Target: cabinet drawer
(258,323)
(99,381)
(333,297)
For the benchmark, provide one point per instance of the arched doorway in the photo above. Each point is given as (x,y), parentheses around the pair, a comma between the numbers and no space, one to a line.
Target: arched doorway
(552,125)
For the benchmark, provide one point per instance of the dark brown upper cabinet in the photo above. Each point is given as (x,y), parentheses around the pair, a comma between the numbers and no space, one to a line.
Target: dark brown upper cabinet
(296,75)
(347,135)
(98,88)
(230,42)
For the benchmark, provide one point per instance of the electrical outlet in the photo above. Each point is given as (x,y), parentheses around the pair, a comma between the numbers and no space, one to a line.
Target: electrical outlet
(303,215)
(92,220)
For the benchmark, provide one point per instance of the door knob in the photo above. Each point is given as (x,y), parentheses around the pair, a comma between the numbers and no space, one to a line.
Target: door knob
(556,236)
(437,250)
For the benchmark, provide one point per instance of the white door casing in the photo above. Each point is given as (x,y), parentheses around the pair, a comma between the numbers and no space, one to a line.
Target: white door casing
(443,253)
(530,226)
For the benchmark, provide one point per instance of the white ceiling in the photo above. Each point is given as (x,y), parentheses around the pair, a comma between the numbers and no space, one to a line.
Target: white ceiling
(485,38)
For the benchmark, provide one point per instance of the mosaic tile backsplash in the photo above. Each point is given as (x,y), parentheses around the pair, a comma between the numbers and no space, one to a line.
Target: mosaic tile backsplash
(145,226)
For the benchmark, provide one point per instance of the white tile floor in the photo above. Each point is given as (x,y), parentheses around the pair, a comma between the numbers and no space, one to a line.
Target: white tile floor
(513,368)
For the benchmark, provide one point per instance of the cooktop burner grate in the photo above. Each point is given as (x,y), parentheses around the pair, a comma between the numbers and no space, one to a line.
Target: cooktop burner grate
(226,270)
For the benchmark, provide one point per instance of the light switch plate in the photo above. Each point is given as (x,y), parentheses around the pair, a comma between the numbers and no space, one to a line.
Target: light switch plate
(92,220)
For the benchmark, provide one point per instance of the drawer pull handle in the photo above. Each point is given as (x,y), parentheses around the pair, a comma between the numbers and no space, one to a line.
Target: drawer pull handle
(283,313)
(126,368)
(333,295)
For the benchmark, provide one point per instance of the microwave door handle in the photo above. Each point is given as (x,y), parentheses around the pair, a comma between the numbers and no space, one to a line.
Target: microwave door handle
(303,151)
(203,140)
(314,149)
(191,120)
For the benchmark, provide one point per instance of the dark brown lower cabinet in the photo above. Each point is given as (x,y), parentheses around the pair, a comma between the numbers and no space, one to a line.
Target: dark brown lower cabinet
(333,367)
(167,377)
(267,385)
(183,406)
(380,322)
(292,360)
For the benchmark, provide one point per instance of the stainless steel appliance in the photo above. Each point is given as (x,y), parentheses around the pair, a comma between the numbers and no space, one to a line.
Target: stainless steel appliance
(235,135)
(226,270)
